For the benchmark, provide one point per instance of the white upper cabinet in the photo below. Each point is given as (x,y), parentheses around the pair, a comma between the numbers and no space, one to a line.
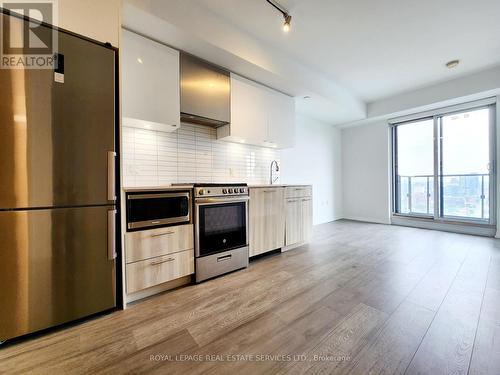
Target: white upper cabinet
(248,119)
(281,121)
(150,84)
(259,115)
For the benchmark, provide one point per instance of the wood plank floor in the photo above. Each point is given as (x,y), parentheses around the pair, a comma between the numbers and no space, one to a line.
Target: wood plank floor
(360,299)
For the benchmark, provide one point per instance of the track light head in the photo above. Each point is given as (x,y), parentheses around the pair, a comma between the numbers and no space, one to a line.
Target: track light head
(286,24)
(284,12)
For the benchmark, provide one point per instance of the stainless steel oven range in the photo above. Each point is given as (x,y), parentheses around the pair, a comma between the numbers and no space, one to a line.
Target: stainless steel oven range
(221,229)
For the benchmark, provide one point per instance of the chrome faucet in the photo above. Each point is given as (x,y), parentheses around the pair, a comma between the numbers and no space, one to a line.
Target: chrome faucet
(277,168)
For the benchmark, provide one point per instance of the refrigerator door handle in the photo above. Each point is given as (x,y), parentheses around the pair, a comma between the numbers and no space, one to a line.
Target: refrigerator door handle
(112,234)
(111,176)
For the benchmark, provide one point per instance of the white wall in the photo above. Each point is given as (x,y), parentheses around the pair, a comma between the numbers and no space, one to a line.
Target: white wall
(96,19)
(366,173)
(316,160)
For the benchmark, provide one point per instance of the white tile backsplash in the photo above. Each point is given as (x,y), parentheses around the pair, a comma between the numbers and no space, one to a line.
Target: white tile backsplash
(191,154)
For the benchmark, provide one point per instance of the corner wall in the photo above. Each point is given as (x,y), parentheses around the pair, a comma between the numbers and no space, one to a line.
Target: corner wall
(316,160)
(366,173)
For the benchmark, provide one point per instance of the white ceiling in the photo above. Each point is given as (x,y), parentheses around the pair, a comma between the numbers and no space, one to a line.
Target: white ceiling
(376,48)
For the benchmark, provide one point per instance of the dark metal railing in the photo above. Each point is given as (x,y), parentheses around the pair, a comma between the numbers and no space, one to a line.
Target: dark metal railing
(428,184)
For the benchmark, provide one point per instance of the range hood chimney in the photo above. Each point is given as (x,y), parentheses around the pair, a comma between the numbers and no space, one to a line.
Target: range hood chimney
(205,92)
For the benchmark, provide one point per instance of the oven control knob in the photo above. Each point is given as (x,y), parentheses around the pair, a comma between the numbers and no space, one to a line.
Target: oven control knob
(224,191)
(230,191)
(201,192)
(242,190)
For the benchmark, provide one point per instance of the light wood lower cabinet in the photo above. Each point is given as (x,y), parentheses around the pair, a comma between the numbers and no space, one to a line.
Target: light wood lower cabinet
(267,220)
(294,221)
(298,205)
(307,219)
(156,256)
(151,272)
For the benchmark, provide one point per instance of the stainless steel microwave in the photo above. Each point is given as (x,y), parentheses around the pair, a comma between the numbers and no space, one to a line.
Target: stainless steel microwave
(157,209)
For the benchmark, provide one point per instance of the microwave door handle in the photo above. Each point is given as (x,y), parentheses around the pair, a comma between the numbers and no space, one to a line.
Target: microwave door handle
(112,234)
(111,175)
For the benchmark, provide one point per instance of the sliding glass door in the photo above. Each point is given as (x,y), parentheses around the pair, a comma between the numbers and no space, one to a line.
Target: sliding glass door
(442,166)
(415,166)
(464,173)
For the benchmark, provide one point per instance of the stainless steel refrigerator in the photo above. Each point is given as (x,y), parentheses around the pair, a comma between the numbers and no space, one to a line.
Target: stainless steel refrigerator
(57,189)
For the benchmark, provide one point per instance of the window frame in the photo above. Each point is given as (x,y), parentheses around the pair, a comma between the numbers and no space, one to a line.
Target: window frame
(436,117)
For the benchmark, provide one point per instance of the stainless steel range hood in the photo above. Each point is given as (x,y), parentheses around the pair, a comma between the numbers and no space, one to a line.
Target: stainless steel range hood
(205,92)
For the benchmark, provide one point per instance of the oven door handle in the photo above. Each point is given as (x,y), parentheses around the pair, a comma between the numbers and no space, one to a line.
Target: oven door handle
(221,200)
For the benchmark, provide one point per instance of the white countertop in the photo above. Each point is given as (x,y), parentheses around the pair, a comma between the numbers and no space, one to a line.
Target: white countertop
(275,185)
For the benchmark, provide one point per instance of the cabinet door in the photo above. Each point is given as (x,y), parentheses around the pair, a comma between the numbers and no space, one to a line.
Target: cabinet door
(151,95)
(294,221)
(281,110)
(248,111)
(267,220)
(307,219)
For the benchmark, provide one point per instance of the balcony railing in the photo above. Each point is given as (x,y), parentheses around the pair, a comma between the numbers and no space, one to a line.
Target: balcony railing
(463,195)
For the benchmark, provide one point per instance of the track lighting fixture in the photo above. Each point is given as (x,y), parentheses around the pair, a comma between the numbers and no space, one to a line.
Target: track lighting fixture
(286,16)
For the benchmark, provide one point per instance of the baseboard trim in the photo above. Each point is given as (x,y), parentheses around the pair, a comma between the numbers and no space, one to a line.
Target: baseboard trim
(368,219)
(293,246)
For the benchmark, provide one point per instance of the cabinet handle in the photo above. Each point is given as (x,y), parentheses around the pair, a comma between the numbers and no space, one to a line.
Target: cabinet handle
(157,262)
(162,234)
(299,189)
(269,191)
(292,200)
(306,200)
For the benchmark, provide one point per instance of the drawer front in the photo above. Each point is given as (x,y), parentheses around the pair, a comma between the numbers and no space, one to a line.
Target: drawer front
(298,191)
(156,242)
(151,272)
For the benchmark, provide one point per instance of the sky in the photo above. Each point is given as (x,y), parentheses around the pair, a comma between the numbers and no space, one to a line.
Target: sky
(465,145)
